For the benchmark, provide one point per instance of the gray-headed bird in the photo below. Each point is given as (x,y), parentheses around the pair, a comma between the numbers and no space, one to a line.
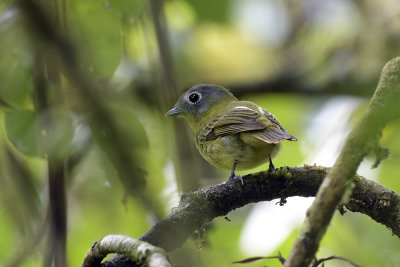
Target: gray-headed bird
(230,134)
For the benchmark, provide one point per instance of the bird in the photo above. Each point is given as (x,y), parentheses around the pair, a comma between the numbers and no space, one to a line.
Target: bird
(230,134)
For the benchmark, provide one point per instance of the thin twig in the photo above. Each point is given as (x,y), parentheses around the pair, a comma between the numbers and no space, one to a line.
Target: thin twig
(318,262)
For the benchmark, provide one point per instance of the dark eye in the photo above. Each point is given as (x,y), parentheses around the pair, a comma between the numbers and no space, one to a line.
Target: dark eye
(194,97)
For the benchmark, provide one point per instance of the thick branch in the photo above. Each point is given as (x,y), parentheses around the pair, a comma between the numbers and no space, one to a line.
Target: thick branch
(363,139)
(140,252)
(200,207)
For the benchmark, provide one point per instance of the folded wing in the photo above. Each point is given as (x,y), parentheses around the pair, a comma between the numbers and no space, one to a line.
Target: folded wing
(273,135)
(240,119)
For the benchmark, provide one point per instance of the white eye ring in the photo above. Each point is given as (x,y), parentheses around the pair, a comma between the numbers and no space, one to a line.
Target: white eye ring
(194,97)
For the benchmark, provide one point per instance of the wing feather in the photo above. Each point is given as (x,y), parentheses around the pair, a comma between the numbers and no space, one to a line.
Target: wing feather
(244,119)
(273,136)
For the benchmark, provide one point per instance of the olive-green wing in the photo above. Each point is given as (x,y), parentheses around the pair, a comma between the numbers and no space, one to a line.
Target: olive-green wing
(274,134)
(243,119)
(239,119)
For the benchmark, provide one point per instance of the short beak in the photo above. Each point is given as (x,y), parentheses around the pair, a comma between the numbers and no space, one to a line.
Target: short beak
(174,112)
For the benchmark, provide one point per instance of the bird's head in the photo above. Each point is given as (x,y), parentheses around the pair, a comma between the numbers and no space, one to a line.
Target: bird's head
(197,102)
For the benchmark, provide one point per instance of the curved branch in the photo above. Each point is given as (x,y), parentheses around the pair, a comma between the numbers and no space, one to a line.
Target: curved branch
(363,139)
(139,252)
(200,207)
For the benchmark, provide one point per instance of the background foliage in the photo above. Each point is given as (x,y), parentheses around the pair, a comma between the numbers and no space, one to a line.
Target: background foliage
(314,64)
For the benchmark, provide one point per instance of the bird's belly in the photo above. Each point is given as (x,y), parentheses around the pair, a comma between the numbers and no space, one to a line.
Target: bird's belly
(224,151)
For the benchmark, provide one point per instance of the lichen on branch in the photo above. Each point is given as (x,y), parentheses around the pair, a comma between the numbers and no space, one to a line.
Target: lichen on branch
(139,252)
(363,139)
(200,207)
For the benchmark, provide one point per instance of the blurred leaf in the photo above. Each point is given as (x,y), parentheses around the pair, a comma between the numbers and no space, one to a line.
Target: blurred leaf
(17,84)
(234,58)
(27,132)
(124,140)
(20,202)
(136,136)
(97,32)
(25,186)
(22,207)
(127,9)
(24,131)
(208,10)
(180,16)
(15,66)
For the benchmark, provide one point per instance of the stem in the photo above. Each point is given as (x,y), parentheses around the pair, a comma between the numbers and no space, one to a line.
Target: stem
(363,139)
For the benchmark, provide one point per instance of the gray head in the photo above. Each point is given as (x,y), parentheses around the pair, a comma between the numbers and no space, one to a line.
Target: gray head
(200,99)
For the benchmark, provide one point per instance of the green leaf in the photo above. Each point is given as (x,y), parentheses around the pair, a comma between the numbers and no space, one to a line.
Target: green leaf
(127,9)
(24,131)
(97,32)
(40,135)
(218,13)
(15,63)
(17,85)
(123,139)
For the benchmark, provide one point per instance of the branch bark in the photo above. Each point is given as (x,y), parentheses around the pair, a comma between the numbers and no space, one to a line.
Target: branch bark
(200,207)
(140,252)
(363,139)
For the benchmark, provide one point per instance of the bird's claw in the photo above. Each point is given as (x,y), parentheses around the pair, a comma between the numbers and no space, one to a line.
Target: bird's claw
(236,178)
(271,169)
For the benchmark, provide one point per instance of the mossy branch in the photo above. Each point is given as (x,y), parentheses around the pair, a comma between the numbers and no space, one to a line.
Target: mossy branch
(363,139)
(200,207)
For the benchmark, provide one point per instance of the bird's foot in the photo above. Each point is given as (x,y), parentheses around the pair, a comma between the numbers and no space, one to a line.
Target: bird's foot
(236,179)
(271,167)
